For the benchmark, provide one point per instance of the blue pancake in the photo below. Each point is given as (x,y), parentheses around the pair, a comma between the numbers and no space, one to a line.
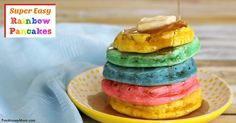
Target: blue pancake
(150,76)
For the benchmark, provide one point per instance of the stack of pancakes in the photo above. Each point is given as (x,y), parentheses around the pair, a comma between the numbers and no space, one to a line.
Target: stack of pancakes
(150,72)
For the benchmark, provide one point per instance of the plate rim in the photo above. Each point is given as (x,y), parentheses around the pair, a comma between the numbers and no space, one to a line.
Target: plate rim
(206,117)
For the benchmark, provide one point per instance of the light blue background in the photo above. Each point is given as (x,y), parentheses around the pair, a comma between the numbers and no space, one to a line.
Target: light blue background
(34,72)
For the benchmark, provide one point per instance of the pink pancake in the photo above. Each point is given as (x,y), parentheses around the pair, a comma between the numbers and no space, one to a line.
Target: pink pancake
(146,95)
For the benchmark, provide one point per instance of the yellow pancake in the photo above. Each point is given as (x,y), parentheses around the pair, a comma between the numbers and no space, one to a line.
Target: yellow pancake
(147,43)
(173,109)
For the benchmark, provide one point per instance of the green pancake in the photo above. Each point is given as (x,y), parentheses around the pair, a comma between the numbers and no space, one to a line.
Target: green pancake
(164,57)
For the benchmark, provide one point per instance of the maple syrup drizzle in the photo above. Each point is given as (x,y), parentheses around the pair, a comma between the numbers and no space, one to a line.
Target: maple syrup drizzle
(178,9)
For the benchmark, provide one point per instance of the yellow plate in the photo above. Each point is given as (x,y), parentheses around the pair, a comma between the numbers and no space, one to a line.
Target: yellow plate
(85,91)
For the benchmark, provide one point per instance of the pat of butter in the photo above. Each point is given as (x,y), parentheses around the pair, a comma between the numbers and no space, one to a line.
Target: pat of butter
(146,24)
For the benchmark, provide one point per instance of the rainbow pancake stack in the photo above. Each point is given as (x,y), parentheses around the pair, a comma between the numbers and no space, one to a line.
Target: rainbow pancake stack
(150,72)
